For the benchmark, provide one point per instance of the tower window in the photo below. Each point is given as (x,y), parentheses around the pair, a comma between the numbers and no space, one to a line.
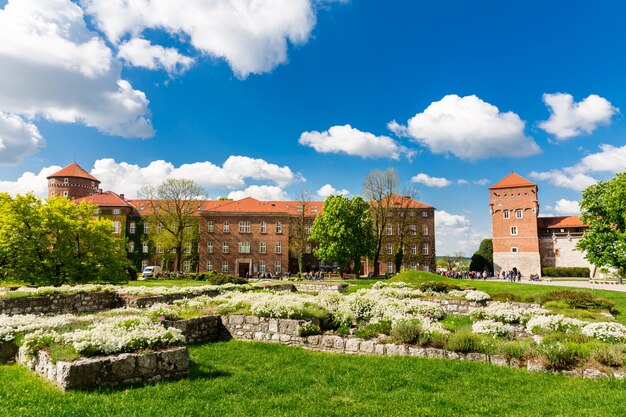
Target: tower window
(506,214)
(66,180)
(514,249)
(519,213)
(514,230)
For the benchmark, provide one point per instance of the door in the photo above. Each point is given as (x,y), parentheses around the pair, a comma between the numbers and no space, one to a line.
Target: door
(244,269)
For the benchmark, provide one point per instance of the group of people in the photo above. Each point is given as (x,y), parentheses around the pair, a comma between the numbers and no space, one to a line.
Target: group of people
(513,275)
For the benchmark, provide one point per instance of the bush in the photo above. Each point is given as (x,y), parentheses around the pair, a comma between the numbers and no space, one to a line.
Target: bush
(506,296)
(463,342)
(374,329)
(457,322)
(516,349)
(566,272)
(579,300)
(406,331)
(608,355)
(438,286)
(309,329)
(220,279)
(562,355)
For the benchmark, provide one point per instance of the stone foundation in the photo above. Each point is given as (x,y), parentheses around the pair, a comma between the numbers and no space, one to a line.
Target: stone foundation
(61,303)
(108,371)
(8,352)
(199,329)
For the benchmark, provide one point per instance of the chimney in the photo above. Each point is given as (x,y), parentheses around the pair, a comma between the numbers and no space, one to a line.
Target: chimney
(99,190)
(122,196)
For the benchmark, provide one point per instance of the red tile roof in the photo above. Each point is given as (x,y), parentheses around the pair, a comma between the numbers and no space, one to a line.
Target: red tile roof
(511,181)
(399,201)
(105,199)
(74,170)
(252,205)
(559,222)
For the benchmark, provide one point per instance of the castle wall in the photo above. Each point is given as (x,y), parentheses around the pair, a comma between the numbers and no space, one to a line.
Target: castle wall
(526,262)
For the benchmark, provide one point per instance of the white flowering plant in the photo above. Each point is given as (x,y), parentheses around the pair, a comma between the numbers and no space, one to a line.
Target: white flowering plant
(606,331)
(541,324)
(493,328)
(507,313)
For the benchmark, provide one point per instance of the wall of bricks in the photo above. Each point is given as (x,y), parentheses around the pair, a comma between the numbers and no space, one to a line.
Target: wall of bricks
(61,303)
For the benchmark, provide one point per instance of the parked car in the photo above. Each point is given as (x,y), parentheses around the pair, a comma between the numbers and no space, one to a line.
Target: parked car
(150,271)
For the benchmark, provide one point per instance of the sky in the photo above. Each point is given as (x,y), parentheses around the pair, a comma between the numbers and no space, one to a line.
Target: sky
(271,98)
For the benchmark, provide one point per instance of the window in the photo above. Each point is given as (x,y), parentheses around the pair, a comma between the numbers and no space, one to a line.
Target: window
(210,226)
(158,262)
(412,213)
(131,227)
(425,249)
(307,229)
(262,266)
(426,268)
(52,194)
(146,228)
(413,229)
(279,227)
(116,211)
(144,264)
(519,213)
(209,247)
(390,267)
(389,230)
(514,249)
(413,266)
(188,248)
(425,230)
(186,265)
(389,250)
(244,247)
(244,227)
(279,248)
(225,247)
(159,249)
(506,214)
(424,214)
(226,228)
(513,230)
(277,267)
(307,249)
(145,248)
(263,227)
(413,249)
(131,246)
(224,266)
(66,180)
(160,228)
(209,266)
(65,194)
(116,227)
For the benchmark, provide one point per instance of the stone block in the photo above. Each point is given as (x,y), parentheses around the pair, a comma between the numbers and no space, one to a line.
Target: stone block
(379,348)
(366,346)
(413,351)
(273,326)
(498,360)
(435,353)
(352,345)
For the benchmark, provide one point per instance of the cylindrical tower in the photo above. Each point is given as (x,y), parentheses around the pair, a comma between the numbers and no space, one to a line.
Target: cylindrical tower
(72,182)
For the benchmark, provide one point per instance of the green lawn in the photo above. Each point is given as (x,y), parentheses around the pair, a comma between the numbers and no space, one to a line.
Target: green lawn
(523,290)
(165,283)
(261,379)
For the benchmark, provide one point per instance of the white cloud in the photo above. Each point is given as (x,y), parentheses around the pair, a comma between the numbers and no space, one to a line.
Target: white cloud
(30,182)
(18,139)
(141,53)
(351,141)
(455,233)
(52,65)
(611,159)
(260,192)
(569,119)
(565,207)
(482,181)
(429,181)
(252,36)
(446,222)
(462,182)
(328,190)
(469,128)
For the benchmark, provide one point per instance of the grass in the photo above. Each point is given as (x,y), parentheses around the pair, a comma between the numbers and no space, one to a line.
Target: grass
(522,290)
(165,283)
(256,379)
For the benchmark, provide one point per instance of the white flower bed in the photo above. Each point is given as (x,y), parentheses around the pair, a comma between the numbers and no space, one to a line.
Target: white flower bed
(553,323)
(269,304)
(10,326)
(605,331)
(493,328)
(470,295)
(507,313)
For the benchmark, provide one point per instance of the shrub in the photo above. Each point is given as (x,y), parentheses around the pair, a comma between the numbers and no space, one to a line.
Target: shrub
(605,331)
(457,322)
(437,286)
(493,328)
(580,300)
(343,330)
(374,329)
(608,355)
(516,349)
(565,272)
(561,355)
(463,342)
(506,296)
(309,329)
(406,331)
(221,279)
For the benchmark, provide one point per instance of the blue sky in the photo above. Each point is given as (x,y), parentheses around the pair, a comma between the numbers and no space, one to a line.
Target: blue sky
(256,101)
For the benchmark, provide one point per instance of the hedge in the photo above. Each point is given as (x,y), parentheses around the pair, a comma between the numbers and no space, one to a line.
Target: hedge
(566,272)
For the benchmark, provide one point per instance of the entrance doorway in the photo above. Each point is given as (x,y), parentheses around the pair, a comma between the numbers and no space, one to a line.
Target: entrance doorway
(244,269)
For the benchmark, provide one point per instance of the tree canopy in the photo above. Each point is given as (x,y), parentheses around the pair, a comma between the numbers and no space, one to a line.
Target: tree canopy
(58,242)
(603,209)
(344,232)
(482,260)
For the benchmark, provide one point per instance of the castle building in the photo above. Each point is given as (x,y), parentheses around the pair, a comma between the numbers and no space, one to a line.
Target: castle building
(522,239)
(245,237)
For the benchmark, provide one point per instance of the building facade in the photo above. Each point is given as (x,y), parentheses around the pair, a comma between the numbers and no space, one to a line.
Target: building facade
(525,241)
(246,237)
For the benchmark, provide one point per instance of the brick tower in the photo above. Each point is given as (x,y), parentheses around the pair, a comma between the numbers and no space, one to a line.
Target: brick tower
(72,182)
(514,207)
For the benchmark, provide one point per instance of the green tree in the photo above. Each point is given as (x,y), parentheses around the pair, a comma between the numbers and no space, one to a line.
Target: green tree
(399,257)
(172,217)
(482,260)
(298,236)
(603,210)
(58,242)
(343,232)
